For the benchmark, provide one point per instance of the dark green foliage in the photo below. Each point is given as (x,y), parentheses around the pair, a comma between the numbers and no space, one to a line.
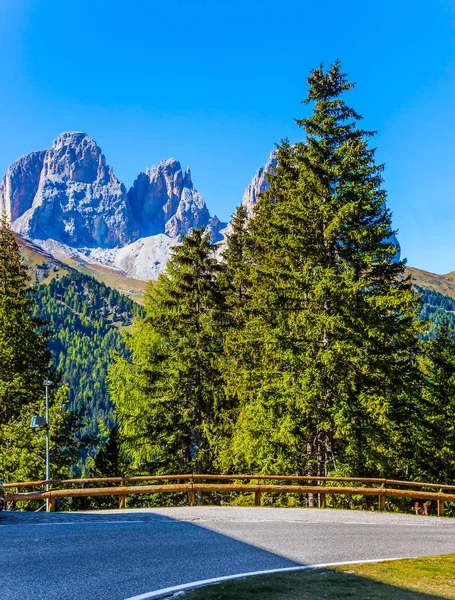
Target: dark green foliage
(435,310)
(325,364)
(25,360)
(234,278)
(85,318)
(435,445)
(169,396)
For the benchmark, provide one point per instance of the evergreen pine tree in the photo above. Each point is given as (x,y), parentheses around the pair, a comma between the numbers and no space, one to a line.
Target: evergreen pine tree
(168,396)
(436,444)
(235,272)
(25,361)
(325,365)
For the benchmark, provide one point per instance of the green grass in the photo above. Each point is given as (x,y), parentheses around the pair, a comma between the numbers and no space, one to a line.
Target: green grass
(432,577)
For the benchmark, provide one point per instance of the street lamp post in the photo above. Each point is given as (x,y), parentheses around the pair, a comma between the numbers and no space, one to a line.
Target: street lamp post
(43,423)
(47,383)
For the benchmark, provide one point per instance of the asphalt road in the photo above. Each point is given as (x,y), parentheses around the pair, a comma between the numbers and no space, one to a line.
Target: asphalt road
(115,555)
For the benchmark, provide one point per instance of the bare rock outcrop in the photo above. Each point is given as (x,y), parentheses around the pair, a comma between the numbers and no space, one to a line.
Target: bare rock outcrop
(164,200)
(78,201)
(259,184)
(20,184)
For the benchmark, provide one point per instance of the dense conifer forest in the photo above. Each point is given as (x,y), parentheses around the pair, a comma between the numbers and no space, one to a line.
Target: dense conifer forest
(86,320)
(305,351)
(435,309)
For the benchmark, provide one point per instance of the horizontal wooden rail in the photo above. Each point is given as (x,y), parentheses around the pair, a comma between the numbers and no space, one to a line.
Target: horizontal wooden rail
(194,477)
(193,487)
(97,480)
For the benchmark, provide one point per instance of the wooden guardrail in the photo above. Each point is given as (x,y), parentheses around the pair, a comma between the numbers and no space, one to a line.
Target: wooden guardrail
(193,484)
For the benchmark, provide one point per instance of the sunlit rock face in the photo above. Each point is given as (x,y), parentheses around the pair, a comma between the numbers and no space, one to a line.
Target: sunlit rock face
(164,200)
(78,201)
(67,199)
(259,184)
(20,184)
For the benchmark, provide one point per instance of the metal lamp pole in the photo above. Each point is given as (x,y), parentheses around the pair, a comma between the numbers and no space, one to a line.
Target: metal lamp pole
(47,383)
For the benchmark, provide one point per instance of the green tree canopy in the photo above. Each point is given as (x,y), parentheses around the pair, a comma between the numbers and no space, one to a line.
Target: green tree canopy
(25,360)
(168,395)
(325,365)
(436,445)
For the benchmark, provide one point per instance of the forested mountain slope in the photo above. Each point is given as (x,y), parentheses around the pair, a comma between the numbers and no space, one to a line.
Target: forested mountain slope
(435,309)
(443,284)
(86,319)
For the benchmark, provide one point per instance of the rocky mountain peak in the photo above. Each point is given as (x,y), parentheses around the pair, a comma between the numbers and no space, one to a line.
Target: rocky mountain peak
(187,182)
(259,184)
(20,184)
(76,157)
(164,200)
(76,199)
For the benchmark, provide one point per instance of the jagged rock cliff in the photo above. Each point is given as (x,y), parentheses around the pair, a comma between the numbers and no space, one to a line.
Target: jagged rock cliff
(164,200)
(69,195)
(68,201)
(258,185)
(78,201)
(20,184)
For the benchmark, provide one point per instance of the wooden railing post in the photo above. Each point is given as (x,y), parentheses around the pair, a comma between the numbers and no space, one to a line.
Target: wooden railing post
(51,505)
(440,507)
(191,495)
(257,498)
(122,497)
(322,501)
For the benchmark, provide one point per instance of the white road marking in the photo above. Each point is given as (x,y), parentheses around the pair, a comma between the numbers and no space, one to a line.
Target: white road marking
(204,582)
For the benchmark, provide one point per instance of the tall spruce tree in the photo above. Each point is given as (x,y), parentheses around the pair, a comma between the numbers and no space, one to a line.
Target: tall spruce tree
(325,366)
(435,448)
(235,272)
(25,361)
(168,396)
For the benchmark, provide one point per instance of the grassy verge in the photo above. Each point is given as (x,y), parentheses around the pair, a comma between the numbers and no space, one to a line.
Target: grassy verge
(428,578)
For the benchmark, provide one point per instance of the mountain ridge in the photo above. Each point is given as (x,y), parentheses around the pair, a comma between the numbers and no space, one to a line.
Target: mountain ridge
(68,201)
(68,193)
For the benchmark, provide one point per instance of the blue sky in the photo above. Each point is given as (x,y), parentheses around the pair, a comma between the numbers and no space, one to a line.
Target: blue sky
(217,83)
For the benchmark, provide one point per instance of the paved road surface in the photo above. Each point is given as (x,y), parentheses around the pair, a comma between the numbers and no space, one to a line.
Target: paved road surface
(114,555)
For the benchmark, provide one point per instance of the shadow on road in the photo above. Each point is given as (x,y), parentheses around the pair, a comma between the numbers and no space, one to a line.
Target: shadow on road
(116,556)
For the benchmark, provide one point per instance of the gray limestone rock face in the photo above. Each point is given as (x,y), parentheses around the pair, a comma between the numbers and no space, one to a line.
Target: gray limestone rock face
(164,200)
(68,194)
(259,184)
(79,201)
(20,185)
(155,196)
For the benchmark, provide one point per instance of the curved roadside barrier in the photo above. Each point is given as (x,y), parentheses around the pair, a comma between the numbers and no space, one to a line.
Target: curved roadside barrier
(193,484)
